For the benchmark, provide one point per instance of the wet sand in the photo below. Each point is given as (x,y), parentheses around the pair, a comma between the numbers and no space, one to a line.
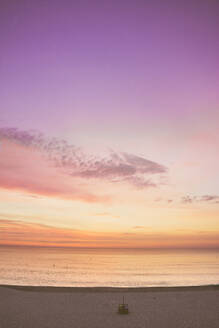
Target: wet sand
(62,307)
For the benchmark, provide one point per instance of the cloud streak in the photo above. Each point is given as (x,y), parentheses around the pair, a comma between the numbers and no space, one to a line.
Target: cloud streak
(26,170)
(72,161)
(212,199)
(16,232)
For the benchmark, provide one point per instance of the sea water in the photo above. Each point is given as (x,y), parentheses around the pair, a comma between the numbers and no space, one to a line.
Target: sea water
(108,267)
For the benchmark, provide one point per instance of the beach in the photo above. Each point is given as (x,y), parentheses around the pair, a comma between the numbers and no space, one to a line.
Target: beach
(62,307)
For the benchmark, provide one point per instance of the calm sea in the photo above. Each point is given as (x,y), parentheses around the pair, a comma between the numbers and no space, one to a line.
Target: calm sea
(108,267)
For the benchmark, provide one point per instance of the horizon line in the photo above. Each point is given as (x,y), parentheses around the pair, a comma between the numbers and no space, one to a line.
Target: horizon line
(119,248)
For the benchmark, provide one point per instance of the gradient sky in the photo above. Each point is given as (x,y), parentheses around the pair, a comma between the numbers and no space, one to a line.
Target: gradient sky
(109,115)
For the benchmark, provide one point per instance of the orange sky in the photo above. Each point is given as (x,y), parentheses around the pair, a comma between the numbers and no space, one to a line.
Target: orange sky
(29,234)
(50,201)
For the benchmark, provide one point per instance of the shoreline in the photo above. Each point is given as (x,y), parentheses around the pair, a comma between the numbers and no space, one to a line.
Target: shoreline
(61,289)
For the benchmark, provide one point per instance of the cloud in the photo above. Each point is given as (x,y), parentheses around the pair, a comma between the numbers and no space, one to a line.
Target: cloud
(140,182)
(71,161)
(17,232)
(187,199)
(26,170)
(23,233)
(205,198)
(143,165)
(210,198)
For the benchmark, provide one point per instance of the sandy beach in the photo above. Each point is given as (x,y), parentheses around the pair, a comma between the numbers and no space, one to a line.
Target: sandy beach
(59,307)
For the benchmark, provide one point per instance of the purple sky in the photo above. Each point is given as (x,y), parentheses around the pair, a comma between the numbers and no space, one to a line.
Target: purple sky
(134,87)
(80,63)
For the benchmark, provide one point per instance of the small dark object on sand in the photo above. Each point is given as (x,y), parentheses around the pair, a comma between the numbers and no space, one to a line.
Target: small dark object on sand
(123,308)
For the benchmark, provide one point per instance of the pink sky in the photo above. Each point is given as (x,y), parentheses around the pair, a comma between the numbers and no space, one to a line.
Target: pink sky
(109,121)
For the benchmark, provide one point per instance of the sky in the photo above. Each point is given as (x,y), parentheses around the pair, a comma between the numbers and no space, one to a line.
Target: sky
(109,117)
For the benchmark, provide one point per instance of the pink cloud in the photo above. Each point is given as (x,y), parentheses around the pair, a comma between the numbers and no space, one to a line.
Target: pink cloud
(17,232)
(213,199)
(52,154)
(23,168)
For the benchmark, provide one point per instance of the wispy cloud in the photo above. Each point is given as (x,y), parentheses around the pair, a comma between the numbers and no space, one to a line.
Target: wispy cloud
(26,170)
(187,199)
(16,232)
(205,198)
(210,198)
(72,161)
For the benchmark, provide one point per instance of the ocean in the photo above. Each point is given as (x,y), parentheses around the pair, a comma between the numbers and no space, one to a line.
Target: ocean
(108,267)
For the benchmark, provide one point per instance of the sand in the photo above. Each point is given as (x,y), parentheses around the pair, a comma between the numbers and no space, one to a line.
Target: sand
(56,307)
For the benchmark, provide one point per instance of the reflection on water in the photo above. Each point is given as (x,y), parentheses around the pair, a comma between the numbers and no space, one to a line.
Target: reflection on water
(108,267)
